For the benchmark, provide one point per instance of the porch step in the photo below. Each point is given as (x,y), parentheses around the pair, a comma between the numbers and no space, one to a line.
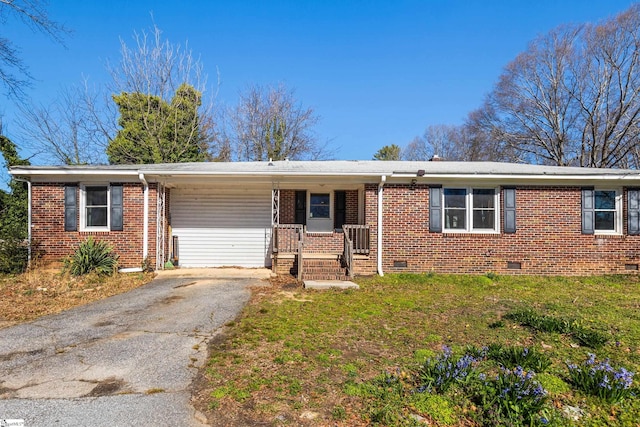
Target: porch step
(323,269)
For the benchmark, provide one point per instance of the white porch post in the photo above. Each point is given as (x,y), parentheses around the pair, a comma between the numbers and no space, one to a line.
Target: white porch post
(275,205)
(145,221)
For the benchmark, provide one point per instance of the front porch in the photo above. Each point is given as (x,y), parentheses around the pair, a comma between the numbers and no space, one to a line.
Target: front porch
(336,255)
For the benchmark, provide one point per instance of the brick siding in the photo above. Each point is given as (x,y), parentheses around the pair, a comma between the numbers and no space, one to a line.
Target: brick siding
(53,243)
(548,238)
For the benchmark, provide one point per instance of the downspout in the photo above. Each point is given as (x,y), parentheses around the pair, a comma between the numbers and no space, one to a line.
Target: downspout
(383,179)
(28,217)
(145,221)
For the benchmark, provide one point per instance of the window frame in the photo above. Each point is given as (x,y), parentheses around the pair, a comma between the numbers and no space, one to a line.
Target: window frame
(315,224)
(618,215)
(84,206)
(329,206)
(469,210)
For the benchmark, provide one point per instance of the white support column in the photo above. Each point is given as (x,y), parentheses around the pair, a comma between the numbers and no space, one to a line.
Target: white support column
(275,205)
(145,220)
(160,226)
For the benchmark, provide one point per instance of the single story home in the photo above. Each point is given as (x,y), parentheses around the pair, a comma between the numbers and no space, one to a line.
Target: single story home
(335,219)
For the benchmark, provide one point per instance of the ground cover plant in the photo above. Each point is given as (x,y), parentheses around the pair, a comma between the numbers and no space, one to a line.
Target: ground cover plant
(431,350)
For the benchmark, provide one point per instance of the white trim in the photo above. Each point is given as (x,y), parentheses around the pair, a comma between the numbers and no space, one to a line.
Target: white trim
(83,208)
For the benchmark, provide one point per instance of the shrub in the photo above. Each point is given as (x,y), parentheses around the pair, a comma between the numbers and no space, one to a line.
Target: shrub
(13,255)
(92,256)
(601,379)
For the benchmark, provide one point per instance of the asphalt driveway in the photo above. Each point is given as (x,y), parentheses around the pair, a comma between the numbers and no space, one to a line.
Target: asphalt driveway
(128,360)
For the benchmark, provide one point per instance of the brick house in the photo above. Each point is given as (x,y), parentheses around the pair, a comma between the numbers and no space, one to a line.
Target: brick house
(329,219)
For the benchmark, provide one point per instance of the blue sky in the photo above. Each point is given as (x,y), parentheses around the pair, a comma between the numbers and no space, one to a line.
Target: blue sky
(377,73)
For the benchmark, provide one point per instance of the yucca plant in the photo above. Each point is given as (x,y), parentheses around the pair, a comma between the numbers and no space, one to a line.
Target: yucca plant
(92,256)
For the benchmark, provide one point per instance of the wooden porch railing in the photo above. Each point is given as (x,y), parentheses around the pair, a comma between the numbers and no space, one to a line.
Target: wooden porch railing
(359,236)
(289,238)
(286,237)
(347,253)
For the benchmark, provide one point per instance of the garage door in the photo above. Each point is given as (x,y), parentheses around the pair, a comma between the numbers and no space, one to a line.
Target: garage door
(221,228)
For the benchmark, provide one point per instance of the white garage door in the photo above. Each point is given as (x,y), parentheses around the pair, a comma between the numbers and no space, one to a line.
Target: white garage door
(220,228)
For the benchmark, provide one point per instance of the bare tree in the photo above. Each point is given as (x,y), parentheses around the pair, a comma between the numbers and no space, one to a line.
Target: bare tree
(573,97)
(460,143)
(62,130)
(14,74)
(531,108)
(608,91)
(269,123)
(82,123)
(437,140)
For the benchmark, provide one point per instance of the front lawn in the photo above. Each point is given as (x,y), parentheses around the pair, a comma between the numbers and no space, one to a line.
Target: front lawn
(432,350)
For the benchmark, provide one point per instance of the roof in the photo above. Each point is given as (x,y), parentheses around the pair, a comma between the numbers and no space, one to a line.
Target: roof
(343,173)
(330,167)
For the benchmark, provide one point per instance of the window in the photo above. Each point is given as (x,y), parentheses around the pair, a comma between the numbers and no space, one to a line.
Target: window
(455,208)
(605,210)
(101,208)
(484,209)
(96,209)
(470,209)
(601,211)
(319,205)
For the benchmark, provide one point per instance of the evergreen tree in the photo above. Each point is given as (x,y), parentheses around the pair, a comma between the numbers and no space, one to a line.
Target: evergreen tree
(13,215)
(388,152)
(154,131)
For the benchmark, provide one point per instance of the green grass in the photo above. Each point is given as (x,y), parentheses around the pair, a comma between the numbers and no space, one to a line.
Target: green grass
(335,354)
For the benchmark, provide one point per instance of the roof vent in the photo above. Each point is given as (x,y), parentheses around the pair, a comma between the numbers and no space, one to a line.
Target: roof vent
(436,158)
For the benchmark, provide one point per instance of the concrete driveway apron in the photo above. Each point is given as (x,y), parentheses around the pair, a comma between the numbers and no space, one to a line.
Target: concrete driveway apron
(128,360)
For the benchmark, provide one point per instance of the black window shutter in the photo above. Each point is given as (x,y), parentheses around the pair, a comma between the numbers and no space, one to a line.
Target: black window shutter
(435,209)
(116,208)
(588,211)
(70,208)
(509,210)
(301,207)
(633,211)
(339,209)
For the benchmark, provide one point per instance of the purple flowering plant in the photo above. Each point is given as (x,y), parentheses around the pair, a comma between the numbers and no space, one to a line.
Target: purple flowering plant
(440,373)
(513,397)
(600,379)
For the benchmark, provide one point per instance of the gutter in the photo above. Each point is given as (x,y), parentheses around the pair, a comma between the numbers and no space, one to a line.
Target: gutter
(383,179)
(28,217)
(145,221)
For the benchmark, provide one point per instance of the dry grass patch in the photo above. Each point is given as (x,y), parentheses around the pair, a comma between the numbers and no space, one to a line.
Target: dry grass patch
(40,292)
